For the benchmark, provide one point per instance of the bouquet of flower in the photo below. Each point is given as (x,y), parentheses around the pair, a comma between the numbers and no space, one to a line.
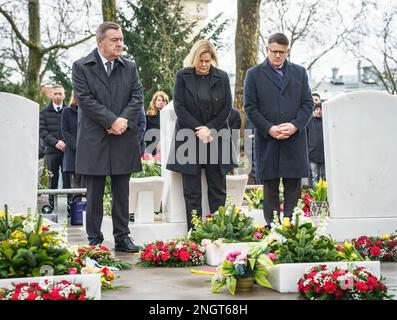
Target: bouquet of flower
(307,199)
(151,166)
(228,223)
(322,283)
(102,255)
(377,248)
(255,198)
(347,252)
(177,253)
(261,232)
(239,265)
(45,290)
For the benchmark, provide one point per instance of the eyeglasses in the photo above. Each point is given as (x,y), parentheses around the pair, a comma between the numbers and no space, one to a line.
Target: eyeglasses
(276,52)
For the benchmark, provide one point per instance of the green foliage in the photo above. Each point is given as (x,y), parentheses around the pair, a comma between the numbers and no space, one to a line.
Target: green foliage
(149,169)
(320,191)
(5,84)
(302,245)
(228,223)
(158,37)
(255,198)
(58,75)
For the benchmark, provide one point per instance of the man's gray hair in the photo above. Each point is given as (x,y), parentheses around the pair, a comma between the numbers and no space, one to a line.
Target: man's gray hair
(104,26)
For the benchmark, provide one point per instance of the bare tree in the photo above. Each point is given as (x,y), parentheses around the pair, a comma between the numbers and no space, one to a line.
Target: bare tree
(109,10)
(246,45)
(32,64)
(321,25)
(375,43)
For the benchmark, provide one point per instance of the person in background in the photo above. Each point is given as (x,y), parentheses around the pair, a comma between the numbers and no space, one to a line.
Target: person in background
(110,97)
(69,133)
(202,103)
(316,98)
(159,101)
(278,102)
(51,134)
(315,140)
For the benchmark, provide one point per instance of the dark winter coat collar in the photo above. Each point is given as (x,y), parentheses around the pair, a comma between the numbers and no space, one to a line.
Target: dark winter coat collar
(265,65)
(189,73)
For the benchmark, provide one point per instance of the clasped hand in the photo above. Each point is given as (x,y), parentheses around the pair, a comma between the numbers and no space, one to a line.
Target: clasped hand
(282,131)
(119,126)
(204,134)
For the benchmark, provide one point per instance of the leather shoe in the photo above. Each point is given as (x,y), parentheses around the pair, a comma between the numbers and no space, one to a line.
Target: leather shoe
(95,242)
(126,245)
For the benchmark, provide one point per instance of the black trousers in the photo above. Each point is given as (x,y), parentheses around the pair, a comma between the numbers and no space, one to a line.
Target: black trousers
(192,191)
(94,211)
(54,164)
(271,197)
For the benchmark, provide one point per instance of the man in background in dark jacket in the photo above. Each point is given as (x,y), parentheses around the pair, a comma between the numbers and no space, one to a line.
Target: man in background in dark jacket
(51,134)
(315,141)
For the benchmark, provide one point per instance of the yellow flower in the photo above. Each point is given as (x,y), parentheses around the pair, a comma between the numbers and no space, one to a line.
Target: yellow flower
(286,223)
(321,184)
(347,245)
(340,253)
(18,234)
(45,245)
(2,214)
(23,242)
(354,256)
(386,236)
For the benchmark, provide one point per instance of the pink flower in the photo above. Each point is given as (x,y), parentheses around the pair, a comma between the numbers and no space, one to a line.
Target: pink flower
(272,256)
(233,255)
(72,271)
(257,235)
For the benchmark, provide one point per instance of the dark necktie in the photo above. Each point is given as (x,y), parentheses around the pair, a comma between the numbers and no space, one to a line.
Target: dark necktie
(58,109)
(108,68)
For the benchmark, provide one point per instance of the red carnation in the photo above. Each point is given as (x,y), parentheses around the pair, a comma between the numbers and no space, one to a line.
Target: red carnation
(361,286)
(375,251)
(165,256)
(184,256)
(330,287)
(338,294)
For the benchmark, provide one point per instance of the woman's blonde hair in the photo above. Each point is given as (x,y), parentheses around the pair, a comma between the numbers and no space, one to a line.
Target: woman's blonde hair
(152,106)
(200,47)
(73,100)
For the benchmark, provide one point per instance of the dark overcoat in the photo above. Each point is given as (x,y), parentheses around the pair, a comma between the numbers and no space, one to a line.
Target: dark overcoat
(266,103)
(190,116)
(101,101)
(69,133)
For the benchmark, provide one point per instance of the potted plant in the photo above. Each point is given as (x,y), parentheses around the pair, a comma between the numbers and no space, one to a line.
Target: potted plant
(240,270)
(320,198)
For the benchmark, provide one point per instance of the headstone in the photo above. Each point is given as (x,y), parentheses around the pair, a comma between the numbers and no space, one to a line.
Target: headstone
(360,158)
(19,132)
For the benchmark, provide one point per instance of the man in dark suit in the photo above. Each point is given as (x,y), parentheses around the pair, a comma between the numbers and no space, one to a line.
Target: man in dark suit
(278,101)
(110,98)
(51,134)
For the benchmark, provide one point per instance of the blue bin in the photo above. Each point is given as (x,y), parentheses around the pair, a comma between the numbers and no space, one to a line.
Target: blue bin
(76,211)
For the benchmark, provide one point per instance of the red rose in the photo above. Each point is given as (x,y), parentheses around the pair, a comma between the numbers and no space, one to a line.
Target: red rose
(361,286)
(306,288)
(375,251)
(338,294)
(330,287)
(184,256)
(165,256)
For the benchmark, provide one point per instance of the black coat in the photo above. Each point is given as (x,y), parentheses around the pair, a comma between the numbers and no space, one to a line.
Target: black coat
(101,101)
(234,119)
(190,116)
(69,133)
(50,128)
(267,104)
(315,140)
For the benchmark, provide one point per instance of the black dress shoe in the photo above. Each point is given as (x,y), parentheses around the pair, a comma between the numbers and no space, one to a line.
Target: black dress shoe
(126,245)
(95,242)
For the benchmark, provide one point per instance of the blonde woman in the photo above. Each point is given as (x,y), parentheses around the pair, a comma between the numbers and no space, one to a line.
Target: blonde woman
(159,101)
(202,103)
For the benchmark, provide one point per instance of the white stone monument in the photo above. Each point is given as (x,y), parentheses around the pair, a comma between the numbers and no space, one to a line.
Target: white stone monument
(19,136)
(360,141)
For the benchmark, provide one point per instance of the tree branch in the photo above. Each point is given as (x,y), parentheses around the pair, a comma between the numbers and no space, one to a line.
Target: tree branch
(67,46)
(15,28)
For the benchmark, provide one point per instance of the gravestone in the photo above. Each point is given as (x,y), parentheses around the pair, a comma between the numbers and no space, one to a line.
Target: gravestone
(361,168)
(19,132)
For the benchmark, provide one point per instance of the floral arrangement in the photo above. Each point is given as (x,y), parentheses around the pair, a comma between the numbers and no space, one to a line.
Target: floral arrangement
(301,239)
(261,232)
(28,248)
(151,166)
(228,223)
(179,253)
(255,198)
(320,191)
(377,248)
(239,265)
(102,255)
(322,283)
(45,290)
(307,199)
(347,252)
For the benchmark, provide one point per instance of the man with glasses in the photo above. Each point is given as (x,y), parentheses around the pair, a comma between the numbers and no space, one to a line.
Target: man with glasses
(278,101)
(110,98)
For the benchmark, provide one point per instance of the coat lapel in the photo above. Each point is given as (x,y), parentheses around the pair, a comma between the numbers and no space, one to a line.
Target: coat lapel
(97,68)
(269,73)
(286,77)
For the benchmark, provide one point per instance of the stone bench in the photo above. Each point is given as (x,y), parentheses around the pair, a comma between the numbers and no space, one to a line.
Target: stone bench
(60,208)
(145,198)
